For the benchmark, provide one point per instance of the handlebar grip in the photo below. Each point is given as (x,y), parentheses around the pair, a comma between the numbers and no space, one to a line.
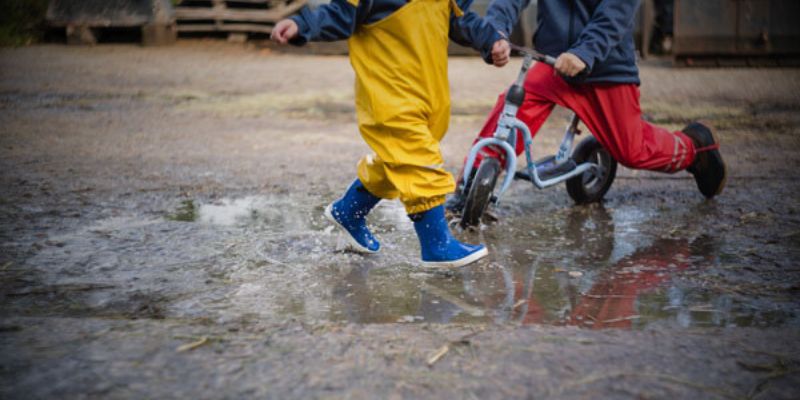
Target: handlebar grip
(551,61)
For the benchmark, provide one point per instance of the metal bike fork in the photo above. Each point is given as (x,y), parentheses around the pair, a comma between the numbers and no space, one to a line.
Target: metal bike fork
(505,134)
(565,149)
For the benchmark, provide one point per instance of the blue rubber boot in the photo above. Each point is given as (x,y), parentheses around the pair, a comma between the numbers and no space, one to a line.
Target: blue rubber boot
(439,248)
(350,214)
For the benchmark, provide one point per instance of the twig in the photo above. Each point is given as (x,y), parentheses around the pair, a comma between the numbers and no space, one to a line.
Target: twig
(609,321)
(463,341)
(438,355)
(193,337)
(193,345)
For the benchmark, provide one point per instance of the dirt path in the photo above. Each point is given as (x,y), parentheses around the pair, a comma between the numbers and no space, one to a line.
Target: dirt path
(154,198)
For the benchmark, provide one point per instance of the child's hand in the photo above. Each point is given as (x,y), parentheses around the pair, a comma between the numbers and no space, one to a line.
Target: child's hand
(570,65)
(283,31)
(501,52)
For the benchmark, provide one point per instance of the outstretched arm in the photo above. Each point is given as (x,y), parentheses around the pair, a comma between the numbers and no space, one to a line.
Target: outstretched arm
(503,14)
(329,22)
(479,33)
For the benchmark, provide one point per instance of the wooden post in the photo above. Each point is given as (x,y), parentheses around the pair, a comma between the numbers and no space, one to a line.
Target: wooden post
(647,24)
(159,34)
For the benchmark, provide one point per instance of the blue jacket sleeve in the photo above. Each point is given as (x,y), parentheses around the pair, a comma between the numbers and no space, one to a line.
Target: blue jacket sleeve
(606,28)
(328,22)
(472,30)
(503,14)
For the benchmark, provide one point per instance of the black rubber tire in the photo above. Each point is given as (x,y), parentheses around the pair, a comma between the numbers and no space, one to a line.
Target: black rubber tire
(480,192)
(588,188)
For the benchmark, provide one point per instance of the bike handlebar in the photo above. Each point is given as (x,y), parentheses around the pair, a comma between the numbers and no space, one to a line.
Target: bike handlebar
(535,55)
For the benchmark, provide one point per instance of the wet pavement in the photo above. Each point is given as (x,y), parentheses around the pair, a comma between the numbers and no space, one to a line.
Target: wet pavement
(153,216)
(590,266)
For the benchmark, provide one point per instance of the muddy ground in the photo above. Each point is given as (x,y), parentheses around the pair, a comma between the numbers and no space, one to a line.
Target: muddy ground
(161,236)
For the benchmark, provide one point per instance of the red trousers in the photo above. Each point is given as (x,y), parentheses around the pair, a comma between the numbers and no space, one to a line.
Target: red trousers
(610,111)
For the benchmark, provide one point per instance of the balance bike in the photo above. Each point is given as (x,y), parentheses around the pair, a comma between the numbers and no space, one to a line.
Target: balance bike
(588,169)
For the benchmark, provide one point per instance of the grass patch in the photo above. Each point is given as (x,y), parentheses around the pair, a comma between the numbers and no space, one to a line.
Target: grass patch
(186,212)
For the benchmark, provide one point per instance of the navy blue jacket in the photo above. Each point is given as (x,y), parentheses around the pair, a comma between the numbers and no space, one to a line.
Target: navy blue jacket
(338,20)
(599,32)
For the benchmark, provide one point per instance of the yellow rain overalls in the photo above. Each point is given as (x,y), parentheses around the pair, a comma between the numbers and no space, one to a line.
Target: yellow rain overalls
(403,102)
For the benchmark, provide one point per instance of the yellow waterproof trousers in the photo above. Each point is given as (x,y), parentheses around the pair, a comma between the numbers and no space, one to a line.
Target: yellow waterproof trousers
(403,102)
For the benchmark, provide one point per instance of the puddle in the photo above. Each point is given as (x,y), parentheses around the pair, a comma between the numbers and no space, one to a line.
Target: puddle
(585,266)
(238,211)
(275,256)
(277,213)
(635,291)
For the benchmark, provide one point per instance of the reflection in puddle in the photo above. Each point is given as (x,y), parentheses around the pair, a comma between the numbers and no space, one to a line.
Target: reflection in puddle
(580,266)
(632,292)
(579,277)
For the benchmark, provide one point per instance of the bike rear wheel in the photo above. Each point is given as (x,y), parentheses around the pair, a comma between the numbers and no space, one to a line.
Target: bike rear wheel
(480,192)
(590,187)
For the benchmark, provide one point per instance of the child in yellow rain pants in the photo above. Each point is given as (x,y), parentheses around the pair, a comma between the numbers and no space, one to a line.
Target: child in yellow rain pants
(398,50)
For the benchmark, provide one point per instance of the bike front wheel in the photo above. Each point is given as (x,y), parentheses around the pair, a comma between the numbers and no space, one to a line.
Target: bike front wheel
(480,192)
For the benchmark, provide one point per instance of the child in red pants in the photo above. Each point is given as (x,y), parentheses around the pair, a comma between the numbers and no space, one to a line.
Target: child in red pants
(596,76)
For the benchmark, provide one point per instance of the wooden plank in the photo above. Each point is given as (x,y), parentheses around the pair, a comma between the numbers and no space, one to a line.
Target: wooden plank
(223,27)
(197,28)
(247,28)
(229,14)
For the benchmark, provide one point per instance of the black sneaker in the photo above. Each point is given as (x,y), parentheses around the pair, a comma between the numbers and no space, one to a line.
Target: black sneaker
(708,168)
